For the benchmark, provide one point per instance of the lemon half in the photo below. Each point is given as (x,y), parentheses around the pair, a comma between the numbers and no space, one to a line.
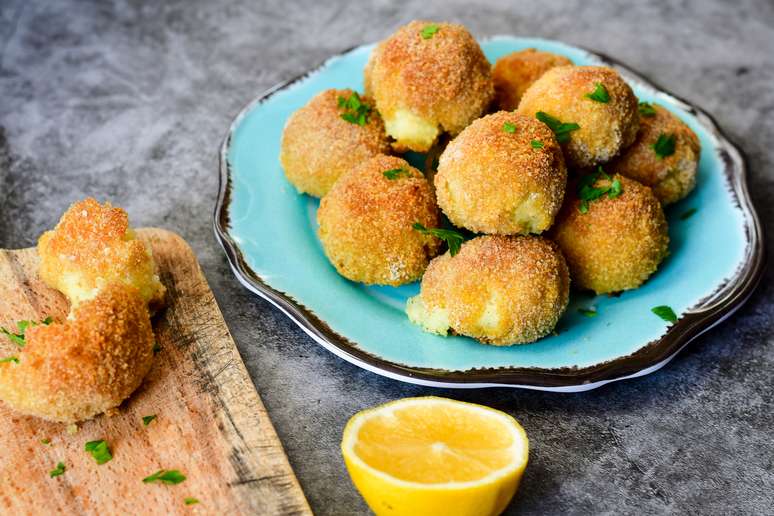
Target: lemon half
(435,456)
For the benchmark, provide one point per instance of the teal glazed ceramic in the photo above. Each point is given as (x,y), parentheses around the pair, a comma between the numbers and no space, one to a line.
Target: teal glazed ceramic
(268,232)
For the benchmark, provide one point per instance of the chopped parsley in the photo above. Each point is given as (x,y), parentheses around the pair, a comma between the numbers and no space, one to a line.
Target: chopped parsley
(395,173)
(508,127)
(588,312)
(355,110)
(665,312)
(428,31)
(156,347)
(536,144)
(190,501)
(146,420)
(646,109)
(688,213)
(58,470)
(599,94)
(587,192)
(165,476)
(561,129)
(18,338)
(99,450)
(5,360)
(665,145)
(45,441)
(452,238)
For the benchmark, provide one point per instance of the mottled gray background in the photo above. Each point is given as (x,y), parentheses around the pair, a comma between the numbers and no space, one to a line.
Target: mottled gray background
(128,101)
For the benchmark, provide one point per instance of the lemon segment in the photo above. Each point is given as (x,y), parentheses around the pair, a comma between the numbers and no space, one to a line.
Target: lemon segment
(435,456)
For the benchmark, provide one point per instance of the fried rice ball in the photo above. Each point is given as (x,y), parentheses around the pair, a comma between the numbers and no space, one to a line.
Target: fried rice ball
(504,174)
(515,72)
(327,137)
(90,363)
(428,78)
(93,246)
(671,176)
(618,242)
(366,222)
(607,125)
(500,290)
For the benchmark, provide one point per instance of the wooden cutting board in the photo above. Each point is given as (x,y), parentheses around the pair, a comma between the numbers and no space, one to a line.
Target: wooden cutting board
(211,424)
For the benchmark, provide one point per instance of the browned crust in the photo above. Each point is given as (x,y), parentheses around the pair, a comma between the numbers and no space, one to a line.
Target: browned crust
(366,223)
(514,73)
(672,177)
(318,145)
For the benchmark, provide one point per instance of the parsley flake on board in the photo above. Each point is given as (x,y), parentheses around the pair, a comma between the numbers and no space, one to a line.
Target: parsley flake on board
(688,213)
(536,144)
(428,31)
(561,129)
(355,110)
(395,173)
(587,192)
(509,127)
(58,470)
(15,360)
(588,312)
(99,450)
(665,145)
(146,420)
(165,476)
(18,338)
(665,312)
(599,94)
(646,109)
(190,501)
(452,238)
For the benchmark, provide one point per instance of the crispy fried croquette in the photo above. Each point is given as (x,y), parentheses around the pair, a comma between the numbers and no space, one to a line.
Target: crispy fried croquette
(504,174)
(334,132)
(515,72)
(93,246)
(500,290)
(618,242)
(428,78)
(670,172)
(595,98)
(78,369)
(366,222)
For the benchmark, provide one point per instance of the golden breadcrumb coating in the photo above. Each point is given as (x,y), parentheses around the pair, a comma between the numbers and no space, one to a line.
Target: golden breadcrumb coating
(671,177)
(318,145)
(93,246)
(78,369)
(500,290)
(423,86)
(605,127)
(490,180)
(515,72)
(366,223)
(618,243)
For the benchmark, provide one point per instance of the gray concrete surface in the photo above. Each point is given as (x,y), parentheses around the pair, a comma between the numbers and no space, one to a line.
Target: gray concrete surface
(128,101)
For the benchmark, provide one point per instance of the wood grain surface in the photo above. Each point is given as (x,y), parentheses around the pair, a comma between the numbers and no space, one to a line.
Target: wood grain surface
(210,425)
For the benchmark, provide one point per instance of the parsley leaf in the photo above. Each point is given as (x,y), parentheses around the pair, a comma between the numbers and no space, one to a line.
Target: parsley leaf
(588,312)
(190,501)
(395,173)
(355,110)
(599,94)
(536,144)
(615,189)
(688,213)
(165,476)
(146,420)
(18,338)
(99,450)
(665,145)
(509,127)
(428,31)
(46,441)
(452,238)
(15,360)
(646,109)
(561,129)
(587,191)
(58,470)
(665,312)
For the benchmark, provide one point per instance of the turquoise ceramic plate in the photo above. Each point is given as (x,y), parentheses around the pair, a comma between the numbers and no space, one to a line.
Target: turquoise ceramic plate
(268,232)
